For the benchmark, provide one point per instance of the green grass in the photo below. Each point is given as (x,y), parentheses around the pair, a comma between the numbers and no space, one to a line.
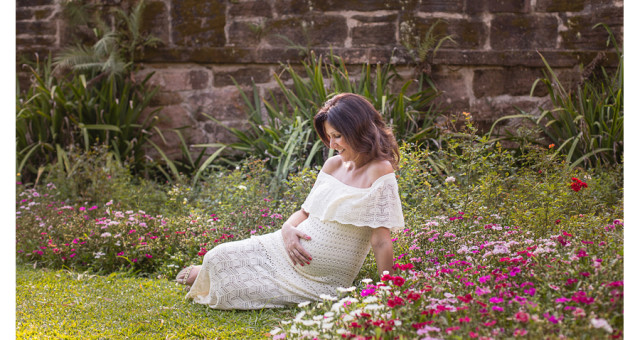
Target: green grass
(69,305)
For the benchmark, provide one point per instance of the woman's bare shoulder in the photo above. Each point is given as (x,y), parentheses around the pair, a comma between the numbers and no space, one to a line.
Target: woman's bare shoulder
(331,164)
(378,169)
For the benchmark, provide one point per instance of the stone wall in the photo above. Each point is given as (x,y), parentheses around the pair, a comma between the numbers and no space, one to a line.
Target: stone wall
(487,72)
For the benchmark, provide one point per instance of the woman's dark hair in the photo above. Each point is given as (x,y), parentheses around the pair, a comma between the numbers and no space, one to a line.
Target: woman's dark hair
(362,126)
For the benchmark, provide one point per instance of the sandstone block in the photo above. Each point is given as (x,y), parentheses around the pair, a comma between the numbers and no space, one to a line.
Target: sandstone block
(24,14)
(451,6)
(245,33)
(174,116)
(155,20)
(560,5)
(374,35)
(326,30)
(42,14)
(355,5)
(468,34)
(35,27)
(284,7)
(516,81)
(581,34)
(165,99)
(389,18)
(32,3)
(244,75)
(198,79)
(496,6)
(453,84)
(223,104)
(513,32)
(47,40)
(198,23)
(250,9)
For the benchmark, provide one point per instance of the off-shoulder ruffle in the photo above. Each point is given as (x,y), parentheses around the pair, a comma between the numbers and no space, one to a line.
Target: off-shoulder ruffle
(374,207)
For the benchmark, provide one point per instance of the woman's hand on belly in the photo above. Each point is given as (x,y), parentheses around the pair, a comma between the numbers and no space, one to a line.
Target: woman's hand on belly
(291,237)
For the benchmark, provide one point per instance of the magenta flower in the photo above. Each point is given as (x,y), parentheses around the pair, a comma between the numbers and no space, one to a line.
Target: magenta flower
(531,291)
(82,208)
(148,256)
(496,299)
(484,279)
(367,292)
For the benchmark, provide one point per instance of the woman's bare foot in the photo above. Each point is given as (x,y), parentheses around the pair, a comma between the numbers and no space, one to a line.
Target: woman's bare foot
(188,275)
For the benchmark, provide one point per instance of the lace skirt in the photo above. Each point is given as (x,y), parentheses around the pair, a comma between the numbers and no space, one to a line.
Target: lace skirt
(256,273)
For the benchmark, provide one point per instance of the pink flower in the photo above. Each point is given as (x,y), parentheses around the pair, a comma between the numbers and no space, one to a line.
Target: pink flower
(522,317)
(530,291)
(519,332)
(148,256)
(93,208)
(484,279)
(398,281)
(464,320)
(82,208)
(120,253)
(496,299)
(367,292)
(497,308)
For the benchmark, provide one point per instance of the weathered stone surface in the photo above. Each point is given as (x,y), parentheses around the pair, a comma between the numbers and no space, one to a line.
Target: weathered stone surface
(327,30)
(166,98)
(390,18)
(32,3)
(453,84)
(284,7)
(198,79)
(47,40)
(452,6)
(23,14)
(198,23)
(250,9)
(514,32)
(468,34)
(155,20)
(42,14)
(560,5)
(174,116)
(243,75)
(496,6)
(581,34)
(372,35)
(223,103)
(355,5)
(35,27)
(245,33)
(485,111)
(515,81)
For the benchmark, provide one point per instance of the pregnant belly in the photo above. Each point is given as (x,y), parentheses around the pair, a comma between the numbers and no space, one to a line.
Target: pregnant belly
(337,250)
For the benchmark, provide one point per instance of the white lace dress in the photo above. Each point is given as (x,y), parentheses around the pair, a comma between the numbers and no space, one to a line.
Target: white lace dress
(257,273)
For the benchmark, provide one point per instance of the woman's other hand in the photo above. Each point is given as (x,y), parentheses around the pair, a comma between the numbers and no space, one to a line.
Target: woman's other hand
(291,236)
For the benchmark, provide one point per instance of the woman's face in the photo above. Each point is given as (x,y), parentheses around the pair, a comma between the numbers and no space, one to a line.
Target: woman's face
(339,143)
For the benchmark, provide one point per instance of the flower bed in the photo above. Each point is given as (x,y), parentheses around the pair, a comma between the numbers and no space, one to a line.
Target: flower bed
(475,278)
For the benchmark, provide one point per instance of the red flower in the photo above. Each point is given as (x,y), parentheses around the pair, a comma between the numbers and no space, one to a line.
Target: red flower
(395,301)
(577,184)
(398,281)
(467,298)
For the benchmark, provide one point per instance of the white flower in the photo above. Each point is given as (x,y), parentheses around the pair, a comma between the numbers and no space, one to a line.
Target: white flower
(386,272)
(373,307)
(99,254)
(329,314)
(366,280)
(344,290)
(341,331)
(302,304)
(327,325)
(328,297)
(348,318)
(105,235)
(450,179)
(449,295)
(299,316)
(370,299)
(601,323)
(308,322)
(242,187)
(275,331)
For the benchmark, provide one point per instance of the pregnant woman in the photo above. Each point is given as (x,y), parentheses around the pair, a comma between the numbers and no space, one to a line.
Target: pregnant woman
(352,207)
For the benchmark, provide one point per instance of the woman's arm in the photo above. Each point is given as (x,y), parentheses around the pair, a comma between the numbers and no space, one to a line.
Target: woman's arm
(382,249)
(291,237)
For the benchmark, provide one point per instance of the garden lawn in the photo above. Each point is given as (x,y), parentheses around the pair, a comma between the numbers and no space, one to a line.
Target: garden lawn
(69,305)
